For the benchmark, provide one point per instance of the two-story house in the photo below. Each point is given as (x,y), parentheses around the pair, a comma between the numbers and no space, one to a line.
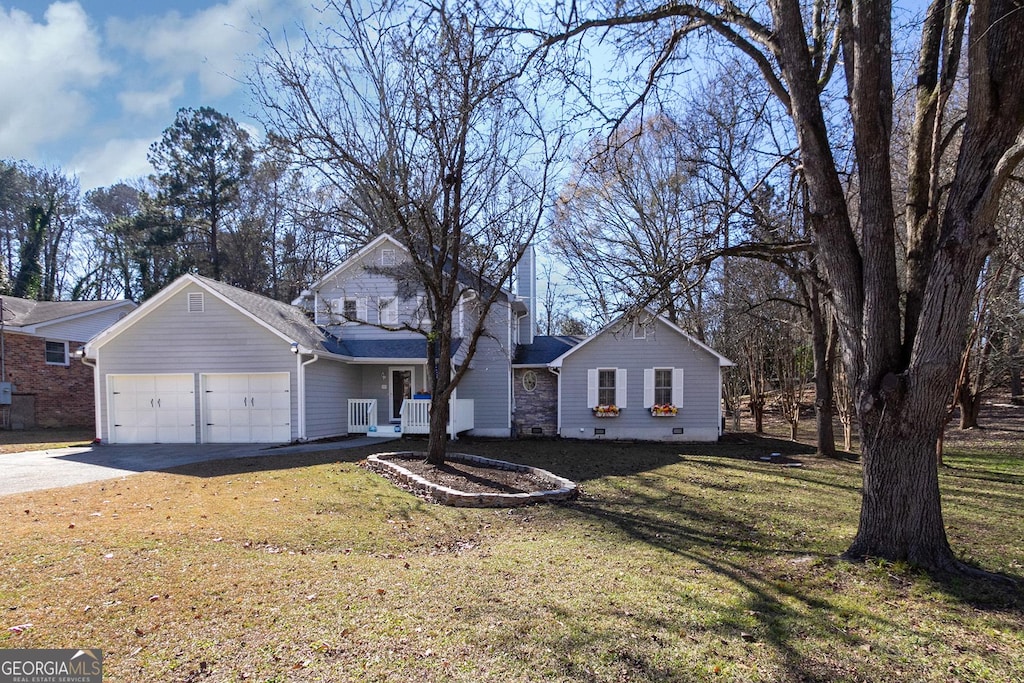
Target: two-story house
(204,362)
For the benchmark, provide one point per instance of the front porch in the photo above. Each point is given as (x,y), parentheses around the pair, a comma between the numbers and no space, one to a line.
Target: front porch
(415,417)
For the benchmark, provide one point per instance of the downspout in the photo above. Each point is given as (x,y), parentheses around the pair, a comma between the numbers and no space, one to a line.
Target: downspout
(558,401)
(95,394)
(302,391)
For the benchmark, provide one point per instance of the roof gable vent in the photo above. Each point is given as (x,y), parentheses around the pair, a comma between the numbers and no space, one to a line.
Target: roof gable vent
(195,302)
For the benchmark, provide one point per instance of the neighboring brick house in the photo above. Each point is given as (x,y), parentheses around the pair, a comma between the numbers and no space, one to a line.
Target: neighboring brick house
(48,385)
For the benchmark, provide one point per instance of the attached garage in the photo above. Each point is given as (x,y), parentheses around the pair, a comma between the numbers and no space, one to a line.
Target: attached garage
(152,408)
(246,408)
(205,362)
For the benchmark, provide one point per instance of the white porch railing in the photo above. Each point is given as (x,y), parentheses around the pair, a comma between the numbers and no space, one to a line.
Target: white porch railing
(362,415)
(415,415)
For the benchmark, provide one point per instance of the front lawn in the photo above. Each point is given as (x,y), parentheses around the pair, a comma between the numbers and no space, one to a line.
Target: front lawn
(678,563)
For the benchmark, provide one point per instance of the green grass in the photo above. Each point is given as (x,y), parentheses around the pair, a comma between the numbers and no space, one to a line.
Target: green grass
(677,563)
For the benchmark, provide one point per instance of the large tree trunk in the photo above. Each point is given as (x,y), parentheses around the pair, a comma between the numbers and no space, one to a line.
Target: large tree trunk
(824,414)
(437,442)
(901,511)
(970,405)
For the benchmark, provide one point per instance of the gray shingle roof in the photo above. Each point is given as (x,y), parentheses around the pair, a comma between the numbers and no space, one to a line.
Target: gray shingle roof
(285,318)
(23,312)
(381,348)
(543,350)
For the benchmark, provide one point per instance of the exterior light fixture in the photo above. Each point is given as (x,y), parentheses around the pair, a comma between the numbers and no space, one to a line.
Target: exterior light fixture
(295,347)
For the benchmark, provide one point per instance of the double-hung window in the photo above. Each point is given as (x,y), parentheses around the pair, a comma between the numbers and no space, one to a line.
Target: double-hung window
(56,353)
(389,311)
(663,387)
(606,387)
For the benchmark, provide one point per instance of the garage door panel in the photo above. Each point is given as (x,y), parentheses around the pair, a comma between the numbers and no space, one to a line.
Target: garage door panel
(152,408)
(247,408)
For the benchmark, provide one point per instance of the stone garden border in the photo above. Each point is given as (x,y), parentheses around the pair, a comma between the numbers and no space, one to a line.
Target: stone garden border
(382,464)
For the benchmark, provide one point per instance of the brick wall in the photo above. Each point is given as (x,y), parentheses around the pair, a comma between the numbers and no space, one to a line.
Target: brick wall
(537,408)
(63,395)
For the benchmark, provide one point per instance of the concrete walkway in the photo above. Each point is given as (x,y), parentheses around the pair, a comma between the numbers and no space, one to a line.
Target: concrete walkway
(37,470)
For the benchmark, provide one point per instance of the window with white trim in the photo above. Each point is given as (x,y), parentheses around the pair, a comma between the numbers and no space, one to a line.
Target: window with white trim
(606,387)
(56,353)
(388,311)
(663,386)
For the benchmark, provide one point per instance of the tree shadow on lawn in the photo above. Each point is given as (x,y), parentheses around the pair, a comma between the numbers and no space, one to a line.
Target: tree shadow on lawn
(768,568)
(584,460)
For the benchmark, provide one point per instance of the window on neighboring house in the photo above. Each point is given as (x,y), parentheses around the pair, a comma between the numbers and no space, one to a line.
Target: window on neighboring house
(387,257)
(56,353)
(663,386)
(606,387)
(389,311)
(639,330)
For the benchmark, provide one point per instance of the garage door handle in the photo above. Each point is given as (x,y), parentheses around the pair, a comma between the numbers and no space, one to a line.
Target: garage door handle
(252,402)
(151,403)
(158,403)
(245,401)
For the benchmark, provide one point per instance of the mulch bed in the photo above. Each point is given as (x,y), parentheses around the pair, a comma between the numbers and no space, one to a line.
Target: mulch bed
(470,478)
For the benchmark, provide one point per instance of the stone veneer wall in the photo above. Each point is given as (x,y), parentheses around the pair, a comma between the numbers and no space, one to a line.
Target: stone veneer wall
(62,394)
(538,408)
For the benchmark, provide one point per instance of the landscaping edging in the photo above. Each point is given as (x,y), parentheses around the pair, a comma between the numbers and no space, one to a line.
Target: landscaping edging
(566,490)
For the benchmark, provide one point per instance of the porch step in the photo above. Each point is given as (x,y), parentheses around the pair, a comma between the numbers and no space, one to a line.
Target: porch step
(385,431)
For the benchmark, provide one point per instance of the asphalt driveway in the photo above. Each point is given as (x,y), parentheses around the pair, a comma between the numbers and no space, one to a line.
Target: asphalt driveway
(36,470)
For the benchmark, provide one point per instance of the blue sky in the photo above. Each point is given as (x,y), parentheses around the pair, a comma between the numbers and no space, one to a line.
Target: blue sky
(88,85)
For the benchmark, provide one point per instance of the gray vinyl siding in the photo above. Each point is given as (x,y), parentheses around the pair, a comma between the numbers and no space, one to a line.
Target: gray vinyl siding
(489,374)
(83,328)
(357,283)
(329,385)
(700,414)
(170,340)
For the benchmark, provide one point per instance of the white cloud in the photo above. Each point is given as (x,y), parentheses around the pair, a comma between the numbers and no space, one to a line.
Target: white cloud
(149,102)
(46,71)
(209,44)
(120,159)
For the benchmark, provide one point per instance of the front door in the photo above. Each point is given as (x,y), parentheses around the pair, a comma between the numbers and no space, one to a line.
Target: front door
(400,389)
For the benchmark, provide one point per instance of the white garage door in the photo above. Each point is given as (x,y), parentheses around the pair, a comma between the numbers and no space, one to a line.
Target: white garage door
(247,408)
(152,408)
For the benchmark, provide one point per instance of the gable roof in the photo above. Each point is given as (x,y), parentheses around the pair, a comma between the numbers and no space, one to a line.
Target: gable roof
(467,278)
(28,314)
(284,320)
(356,257)
(543,350)
(722,360)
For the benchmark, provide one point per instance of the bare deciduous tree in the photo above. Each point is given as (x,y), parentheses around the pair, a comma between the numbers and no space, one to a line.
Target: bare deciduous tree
(903,358)
(418,109)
